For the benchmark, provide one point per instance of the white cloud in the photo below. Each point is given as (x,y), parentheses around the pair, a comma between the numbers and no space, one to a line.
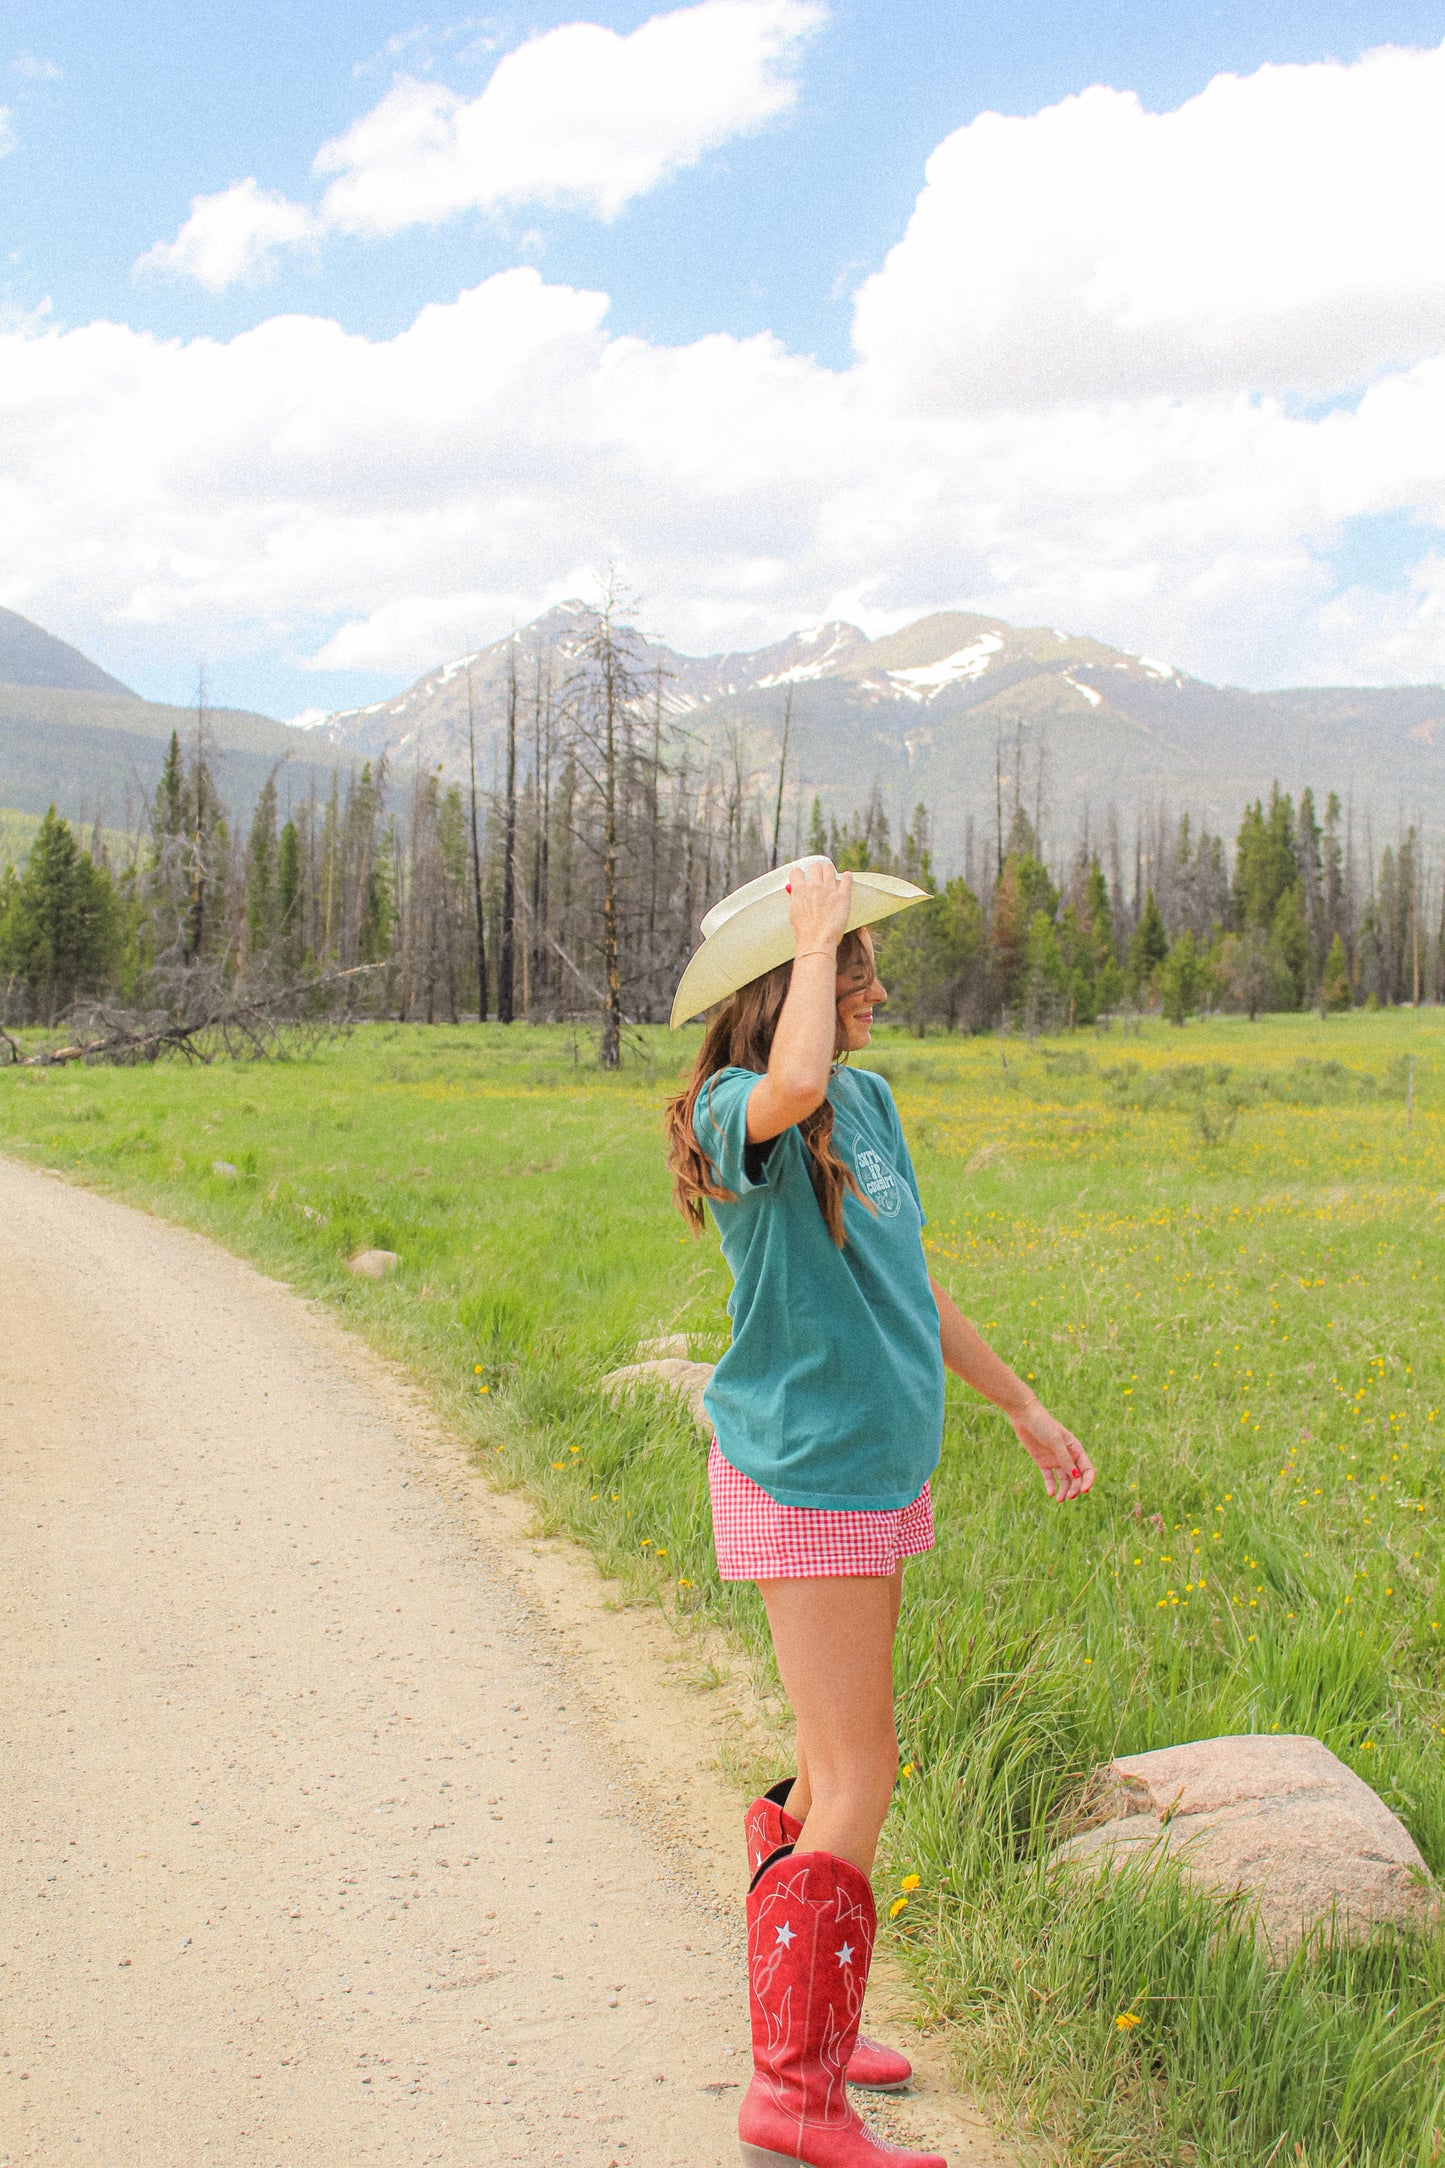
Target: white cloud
(35,70)
(375,502)
(1282,232)
(579,117)
(230,237)
(378,502)
(7,133)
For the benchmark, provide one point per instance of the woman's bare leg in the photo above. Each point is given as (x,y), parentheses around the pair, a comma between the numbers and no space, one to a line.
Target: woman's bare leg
(834,1644)
(800,1798)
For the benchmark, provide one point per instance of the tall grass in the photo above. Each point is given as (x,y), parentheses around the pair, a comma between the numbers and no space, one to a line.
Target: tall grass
(1218,1253)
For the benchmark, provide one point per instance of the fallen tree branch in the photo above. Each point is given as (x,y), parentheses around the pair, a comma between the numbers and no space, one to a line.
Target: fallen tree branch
(249,1024)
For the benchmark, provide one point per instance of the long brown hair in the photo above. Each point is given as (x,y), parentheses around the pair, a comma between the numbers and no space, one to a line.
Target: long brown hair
(740,1036)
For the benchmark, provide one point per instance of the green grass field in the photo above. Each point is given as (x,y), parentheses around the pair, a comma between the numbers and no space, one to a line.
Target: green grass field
(1218,1253)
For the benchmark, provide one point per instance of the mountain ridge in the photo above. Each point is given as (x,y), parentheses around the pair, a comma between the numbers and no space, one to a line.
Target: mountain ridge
(958,711)
(29,655)
(943,711)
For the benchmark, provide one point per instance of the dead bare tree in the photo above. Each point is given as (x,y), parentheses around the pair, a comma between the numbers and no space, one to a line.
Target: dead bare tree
(506,957)
(476,855)
(782,777)
(608,692)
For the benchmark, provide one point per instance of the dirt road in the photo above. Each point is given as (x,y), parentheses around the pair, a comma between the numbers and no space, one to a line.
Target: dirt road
(319,1837)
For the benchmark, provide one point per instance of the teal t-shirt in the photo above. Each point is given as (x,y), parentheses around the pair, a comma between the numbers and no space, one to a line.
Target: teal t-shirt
(831,1393)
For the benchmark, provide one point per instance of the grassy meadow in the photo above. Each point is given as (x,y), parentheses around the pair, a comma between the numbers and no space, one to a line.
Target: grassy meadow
(1218,1253)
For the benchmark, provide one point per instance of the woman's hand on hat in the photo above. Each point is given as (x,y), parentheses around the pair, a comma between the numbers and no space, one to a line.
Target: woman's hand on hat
(819,900)
(1065,1467)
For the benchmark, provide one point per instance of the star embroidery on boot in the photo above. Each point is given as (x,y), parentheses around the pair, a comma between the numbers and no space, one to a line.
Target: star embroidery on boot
(845,1955)
(785,1935)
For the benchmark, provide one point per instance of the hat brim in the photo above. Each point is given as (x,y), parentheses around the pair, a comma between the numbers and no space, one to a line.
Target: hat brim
(759,937)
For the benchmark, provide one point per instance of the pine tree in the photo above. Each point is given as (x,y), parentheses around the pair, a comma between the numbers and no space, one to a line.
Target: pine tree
(1044,975)
(1181,979)
(1265,861)
(1335,989)
(1289,944)
(261,854)
(1332,874)
(1098,913)
(1081,979)
(289,929)
(61,927)
(1148,947)
(1309,841)
(170,791)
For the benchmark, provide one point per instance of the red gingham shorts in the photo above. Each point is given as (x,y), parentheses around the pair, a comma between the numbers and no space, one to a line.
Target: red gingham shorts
(759,1540)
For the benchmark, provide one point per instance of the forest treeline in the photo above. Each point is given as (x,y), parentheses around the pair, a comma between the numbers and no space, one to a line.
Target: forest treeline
(571,886)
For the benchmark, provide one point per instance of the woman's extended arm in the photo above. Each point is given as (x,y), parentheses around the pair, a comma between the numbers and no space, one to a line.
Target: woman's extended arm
(796,1079)
(1061,1460)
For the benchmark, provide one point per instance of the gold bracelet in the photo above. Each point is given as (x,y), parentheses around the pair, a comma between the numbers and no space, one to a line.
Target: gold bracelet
(802,952)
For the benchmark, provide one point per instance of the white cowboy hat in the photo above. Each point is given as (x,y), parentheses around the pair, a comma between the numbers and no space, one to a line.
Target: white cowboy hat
(750,932)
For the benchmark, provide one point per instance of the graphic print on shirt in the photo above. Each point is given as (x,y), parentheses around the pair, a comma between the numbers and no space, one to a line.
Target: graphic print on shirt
(877,1181)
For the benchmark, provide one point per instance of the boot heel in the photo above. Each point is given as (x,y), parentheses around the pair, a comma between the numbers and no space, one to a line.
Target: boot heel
(754,2156)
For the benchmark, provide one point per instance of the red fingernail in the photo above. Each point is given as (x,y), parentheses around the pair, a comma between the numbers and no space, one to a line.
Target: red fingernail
(789,888)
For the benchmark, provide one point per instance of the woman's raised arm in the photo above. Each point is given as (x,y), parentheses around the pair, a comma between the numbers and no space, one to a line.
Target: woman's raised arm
(796,1079)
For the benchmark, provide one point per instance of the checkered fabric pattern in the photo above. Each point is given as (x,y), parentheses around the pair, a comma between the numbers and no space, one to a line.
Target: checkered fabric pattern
(759,1540)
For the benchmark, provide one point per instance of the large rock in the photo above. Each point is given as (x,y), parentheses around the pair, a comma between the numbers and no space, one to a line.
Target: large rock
(673,1374)
(374,1264)
(1279,1820)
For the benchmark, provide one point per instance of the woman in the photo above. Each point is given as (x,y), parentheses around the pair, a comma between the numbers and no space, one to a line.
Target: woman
(828,1410)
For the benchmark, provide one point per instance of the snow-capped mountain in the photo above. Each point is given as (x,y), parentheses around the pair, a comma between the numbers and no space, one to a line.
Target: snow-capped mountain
(941,712)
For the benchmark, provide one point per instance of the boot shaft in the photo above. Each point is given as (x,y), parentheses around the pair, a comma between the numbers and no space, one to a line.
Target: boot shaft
(811,1924)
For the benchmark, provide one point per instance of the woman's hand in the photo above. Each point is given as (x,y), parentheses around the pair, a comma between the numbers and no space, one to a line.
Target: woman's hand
(820,902)
(1057,1454)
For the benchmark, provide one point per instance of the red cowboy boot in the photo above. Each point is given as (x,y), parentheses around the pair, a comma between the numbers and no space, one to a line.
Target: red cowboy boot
(810,1939)
(768,1828)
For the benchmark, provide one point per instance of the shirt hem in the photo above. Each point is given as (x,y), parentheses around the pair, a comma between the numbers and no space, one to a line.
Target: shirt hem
(830,1501)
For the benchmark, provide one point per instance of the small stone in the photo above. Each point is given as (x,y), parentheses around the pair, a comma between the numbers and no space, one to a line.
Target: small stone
(225,1170)
(374,1264)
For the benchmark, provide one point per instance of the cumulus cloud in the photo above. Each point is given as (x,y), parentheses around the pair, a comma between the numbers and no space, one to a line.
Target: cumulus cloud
(230,238)
(1158,468)
(35,70)
(1282,232)
(377,503)
(579,118)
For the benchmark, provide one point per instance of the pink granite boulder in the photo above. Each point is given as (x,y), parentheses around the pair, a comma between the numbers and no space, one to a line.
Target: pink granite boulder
(1278,1820)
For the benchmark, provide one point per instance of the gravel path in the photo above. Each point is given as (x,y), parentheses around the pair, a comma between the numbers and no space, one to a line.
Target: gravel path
(343,1820)
(308,1852)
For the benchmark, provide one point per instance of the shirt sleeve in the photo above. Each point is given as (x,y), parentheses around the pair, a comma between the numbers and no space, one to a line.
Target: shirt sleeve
(720,1124)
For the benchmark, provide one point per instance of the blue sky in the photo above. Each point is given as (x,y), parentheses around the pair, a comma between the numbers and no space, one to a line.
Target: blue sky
(119,118)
